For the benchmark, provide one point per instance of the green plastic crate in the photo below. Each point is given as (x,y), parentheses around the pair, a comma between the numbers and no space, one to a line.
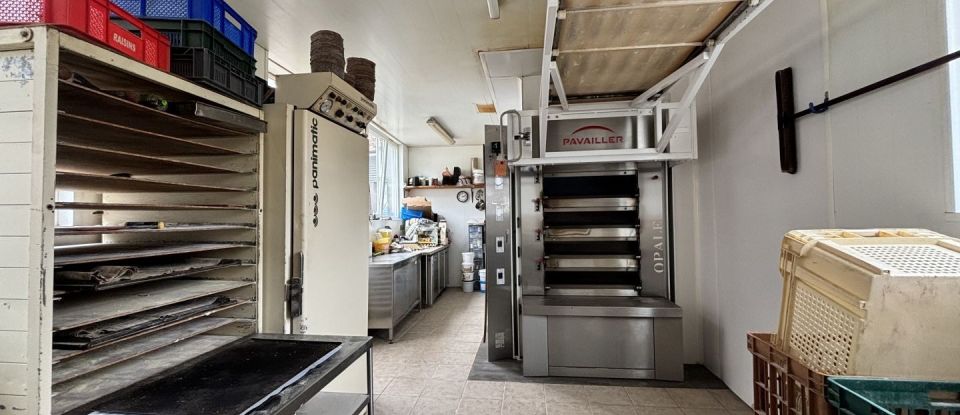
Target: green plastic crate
(200,34)
(882,396)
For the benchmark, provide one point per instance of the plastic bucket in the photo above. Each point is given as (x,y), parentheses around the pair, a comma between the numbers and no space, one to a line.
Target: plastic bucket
(466,267)
(467,257)
(483,287)
(483,275)
(468,276)
(468,286)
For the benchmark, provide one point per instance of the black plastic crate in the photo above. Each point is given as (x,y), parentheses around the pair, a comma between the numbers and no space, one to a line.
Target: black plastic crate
(203,66)
(200,34)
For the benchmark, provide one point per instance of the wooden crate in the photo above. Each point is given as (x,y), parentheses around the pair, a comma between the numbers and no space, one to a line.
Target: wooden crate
(880,302)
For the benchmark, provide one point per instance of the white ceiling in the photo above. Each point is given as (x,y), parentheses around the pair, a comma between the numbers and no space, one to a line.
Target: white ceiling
(426,52)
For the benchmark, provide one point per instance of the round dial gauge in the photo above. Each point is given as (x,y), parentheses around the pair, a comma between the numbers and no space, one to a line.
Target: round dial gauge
(326,105)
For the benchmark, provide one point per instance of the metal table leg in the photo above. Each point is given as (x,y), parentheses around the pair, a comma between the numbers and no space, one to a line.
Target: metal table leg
(370,380)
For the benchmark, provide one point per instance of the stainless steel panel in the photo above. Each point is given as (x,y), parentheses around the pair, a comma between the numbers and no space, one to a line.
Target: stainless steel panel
(595,234)
(429,278)
(530,235)
(500,259)
(535,346)
(655,266)
(590,169)
(381,294)
(668,338)
(599,291)
(590,204)
(600,342)
(610,133)
(601,307)
(591,263)
(394,292)
(406,289)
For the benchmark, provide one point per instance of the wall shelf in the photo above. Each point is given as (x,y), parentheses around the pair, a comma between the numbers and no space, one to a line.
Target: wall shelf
(468,186)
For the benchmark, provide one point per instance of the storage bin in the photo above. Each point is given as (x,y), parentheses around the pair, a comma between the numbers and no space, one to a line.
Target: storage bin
(879,302)
(92,19)
(202,66)
(875,396)
(200,34)
(407,214)
(783,385)
(215,12)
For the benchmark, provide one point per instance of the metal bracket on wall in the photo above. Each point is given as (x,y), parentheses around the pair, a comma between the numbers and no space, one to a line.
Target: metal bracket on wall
(786,118)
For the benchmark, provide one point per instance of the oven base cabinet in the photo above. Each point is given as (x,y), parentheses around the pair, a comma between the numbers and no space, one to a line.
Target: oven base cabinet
(630,338)
(394,290)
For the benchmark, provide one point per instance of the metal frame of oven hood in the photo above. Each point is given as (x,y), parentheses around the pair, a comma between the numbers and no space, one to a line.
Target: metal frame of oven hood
(694,71)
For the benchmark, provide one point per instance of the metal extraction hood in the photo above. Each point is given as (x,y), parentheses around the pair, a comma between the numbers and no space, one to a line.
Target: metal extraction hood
(621,48)
(619,57)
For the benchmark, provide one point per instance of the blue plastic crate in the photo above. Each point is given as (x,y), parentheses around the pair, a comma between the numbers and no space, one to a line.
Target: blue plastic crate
(216,12)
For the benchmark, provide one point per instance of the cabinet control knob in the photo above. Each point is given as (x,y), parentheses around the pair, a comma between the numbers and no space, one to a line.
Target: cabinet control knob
(338,114)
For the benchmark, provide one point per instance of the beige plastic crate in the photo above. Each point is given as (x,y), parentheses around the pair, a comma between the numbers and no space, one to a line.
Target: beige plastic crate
(881,302)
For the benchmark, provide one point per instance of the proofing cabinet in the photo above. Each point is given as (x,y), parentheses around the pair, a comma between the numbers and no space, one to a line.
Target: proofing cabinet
(129,232)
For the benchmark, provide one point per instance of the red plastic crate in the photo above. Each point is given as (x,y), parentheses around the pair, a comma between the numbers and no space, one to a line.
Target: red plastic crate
(92,19)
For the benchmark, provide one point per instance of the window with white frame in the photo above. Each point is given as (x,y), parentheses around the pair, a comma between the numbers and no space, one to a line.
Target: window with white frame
(953,44)
(386,178)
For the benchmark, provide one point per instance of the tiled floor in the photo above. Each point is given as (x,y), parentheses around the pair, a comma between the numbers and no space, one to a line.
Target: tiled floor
(426,370)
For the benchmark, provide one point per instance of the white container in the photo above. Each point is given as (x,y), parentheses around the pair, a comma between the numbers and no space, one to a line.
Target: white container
(468,286)
(466,267)
(874,302)
(483,287)
(468,276)
(467,257)
(483,275)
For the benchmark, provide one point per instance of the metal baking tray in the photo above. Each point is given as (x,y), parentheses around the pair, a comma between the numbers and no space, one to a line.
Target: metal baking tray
(590,204)
(596,263)
(258,374)
(589,234)
(219,116)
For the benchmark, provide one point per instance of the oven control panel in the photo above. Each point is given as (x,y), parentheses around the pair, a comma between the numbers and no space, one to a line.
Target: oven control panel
(347,109)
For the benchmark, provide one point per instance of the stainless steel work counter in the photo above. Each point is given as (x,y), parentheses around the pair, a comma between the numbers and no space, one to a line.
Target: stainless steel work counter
(392,260)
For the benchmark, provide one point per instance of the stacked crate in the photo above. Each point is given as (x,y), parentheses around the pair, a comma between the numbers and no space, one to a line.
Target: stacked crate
(872,302)
(878,302)
(212,44)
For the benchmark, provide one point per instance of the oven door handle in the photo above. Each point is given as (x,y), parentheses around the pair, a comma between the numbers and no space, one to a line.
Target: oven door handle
(507,144)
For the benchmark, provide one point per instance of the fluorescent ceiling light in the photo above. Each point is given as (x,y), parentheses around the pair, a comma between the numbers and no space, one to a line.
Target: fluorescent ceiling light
(493,6)
(442,132)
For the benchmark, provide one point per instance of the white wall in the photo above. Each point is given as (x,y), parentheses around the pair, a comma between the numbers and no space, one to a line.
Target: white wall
(879,161)
(430,161)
